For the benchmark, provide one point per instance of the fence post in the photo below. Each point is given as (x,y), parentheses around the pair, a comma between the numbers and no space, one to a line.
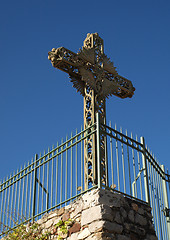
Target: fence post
(146,177)
(34,187)
(99,182)
(165,196)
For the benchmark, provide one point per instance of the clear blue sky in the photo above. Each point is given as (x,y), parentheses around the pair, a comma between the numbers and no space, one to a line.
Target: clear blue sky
(37,102)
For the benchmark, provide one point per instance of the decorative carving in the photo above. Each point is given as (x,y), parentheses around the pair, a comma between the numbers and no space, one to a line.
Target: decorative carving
(95,77)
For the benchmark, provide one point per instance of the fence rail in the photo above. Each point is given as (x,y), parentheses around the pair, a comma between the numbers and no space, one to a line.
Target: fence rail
(56,177)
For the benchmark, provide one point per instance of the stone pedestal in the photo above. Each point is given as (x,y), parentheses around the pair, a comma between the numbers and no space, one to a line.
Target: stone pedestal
(100,215)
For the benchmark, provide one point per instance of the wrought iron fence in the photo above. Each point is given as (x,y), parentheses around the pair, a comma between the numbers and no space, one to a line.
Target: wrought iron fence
(56,177)
(133,170)
(52,179)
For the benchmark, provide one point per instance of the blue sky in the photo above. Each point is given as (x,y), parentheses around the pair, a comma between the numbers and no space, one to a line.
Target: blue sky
(38,104)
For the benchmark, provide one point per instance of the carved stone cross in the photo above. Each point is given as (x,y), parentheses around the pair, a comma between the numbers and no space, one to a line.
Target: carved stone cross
(95,77)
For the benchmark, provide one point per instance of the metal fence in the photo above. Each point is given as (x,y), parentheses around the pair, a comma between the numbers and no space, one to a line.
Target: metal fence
(56,177)
(133,170)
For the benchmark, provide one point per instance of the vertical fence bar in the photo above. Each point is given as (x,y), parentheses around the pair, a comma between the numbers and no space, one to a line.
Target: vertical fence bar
(12,201)
(47,198)
(81,160)
(144,161)
(23,188)
(20,179)
(123,163)
(26,197)
(111,158)
(52,173)
(71,182)
(34,186)
(39,182)
(61,179)
(139,168)
(99,177)
(42,192)
(66,177)
(134,172)
(2,200)
(76,162)
(30,189)
(159,184)
(9,193)
(4,207)
(166,204)
(117,158)
(16,192)
(57,175)
(130,181)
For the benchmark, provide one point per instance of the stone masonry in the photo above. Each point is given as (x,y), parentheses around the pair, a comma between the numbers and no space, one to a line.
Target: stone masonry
(101,214)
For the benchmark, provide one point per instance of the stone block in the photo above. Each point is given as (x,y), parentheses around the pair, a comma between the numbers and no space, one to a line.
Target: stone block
(123,212)
(73,236)
(151,237)
(118,218)
(48,224)
(75,228)
(131,216)
(139,219)
(52,215)
(113,227)
(135,207)
(96,226)
(66,216)
(83,234)
(123,237)
(61,211)
(96,213)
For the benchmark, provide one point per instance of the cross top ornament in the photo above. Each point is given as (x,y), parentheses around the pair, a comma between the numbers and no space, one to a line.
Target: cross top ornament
(95,77)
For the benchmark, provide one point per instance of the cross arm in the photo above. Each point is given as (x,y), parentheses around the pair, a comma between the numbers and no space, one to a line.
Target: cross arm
(82,70)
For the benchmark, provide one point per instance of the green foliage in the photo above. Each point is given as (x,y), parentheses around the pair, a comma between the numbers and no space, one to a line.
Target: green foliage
(34,231)
(23,232)
(63,227)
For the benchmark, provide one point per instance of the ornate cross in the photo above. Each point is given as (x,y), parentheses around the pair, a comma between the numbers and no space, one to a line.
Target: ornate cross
(95,77)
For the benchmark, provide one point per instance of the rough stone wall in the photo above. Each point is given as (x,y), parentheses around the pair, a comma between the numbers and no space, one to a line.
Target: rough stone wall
(102,214)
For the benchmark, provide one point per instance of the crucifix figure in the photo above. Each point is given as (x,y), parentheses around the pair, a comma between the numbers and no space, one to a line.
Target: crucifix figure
(95,77)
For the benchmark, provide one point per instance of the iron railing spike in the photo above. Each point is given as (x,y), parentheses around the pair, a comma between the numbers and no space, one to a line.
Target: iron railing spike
(115,127)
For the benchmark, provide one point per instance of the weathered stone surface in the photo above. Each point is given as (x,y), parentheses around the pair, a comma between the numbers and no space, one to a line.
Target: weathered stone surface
(118,218)
(96,236)
(131,216)
(140,219)
(123,212)
(123,237)
(56,220)
(52,215)
(73,236)
(113,227)
(83,234)
(96,213)
(102,215)
(135,207)
(90,199)
(151,237)
(75,228)
(77,209)
(60,211)
(96,226)
(110,199)
(66,216)
(48,224)
(141,211)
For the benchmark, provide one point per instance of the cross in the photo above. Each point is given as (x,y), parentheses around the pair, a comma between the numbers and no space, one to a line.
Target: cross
(95,77)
